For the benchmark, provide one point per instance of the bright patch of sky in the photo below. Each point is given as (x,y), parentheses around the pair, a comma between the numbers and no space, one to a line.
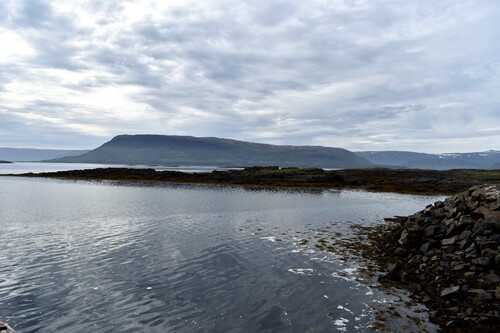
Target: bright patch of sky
(414,75)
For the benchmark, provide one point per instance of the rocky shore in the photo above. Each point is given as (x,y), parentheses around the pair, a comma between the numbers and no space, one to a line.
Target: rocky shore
(381,180)
(448,255)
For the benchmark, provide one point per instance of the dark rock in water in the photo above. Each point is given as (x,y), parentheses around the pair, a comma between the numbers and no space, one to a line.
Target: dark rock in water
(438,204)
(6,328)
(452,252)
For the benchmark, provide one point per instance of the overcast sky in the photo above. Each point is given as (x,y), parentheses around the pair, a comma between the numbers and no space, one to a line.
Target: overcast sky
(421,75)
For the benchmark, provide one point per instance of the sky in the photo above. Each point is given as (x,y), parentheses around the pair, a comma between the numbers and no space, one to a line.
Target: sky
(419,75)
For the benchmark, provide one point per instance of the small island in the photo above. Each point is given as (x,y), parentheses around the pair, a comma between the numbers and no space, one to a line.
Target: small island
(1,161)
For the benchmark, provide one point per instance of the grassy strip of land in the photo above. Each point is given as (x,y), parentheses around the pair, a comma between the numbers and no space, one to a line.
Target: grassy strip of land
(381,180)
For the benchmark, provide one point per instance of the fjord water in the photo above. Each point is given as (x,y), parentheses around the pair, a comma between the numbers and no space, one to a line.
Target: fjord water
(81,256)
(36,167)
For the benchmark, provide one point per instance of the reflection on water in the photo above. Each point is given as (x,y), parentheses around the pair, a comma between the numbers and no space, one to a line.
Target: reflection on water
(114,257)
(25,167)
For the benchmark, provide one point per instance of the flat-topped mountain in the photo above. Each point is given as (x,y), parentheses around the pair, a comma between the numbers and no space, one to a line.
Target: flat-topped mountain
(479,160)
(188,150)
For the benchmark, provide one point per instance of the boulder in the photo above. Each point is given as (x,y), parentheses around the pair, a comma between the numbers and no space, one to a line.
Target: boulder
(449,291)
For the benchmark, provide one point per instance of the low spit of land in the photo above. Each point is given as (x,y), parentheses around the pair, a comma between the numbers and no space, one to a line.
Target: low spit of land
(381,180)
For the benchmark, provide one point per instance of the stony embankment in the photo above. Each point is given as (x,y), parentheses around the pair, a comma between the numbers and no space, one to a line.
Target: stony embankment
(449,255)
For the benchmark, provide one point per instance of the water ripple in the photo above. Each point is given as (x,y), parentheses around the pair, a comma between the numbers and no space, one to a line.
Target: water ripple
(108,258)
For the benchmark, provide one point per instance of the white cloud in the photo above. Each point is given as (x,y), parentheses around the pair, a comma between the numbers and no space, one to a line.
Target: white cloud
(14,47)
(419,75)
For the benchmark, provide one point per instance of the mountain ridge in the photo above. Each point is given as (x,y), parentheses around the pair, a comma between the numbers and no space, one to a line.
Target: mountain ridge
(474,160)
(190,150)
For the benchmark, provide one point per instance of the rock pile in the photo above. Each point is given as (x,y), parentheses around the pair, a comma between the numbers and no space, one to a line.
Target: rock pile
(449,253)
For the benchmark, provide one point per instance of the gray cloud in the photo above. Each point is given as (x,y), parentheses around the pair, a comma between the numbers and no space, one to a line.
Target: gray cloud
(362,75)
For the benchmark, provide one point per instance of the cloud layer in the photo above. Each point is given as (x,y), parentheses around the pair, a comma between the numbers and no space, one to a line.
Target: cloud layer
(364,75)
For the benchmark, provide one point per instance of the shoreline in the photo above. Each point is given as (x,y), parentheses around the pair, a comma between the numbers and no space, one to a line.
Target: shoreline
(407,181)
(446,256)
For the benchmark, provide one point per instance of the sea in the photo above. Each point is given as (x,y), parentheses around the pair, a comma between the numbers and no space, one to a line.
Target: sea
(113,256)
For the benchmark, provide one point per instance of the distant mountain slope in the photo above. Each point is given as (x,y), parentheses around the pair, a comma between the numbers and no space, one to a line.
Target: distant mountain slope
(395,158)
(30,154)
(188,150)
(482,160)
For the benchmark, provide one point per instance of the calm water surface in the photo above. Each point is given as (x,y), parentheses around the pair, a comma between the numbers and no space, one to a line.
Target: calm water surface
(82,256)
(25,167)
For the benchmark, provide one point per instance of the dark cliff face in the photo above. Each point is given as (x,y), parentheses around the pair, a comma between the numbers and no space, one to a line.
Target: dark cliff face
(187,150)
